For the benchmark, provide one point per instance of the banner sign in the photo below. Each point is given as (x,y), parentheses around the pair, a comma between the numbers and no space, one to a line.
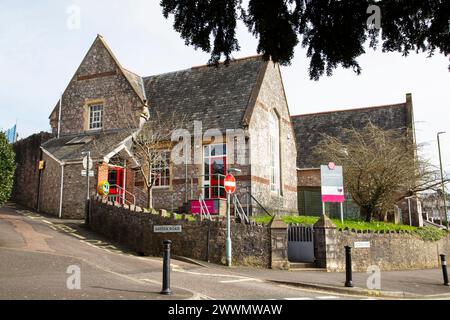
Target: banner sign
(332,182)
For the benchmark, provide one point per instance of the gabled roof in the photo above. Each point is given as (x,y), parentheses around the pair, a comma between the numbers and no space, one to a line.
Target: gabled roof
(134,79)
(309,128)
(69,148)
(217,96)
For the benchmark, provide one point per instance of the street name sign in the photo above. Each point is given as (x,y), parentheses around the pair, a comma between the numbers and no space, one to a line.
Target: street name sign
(361,244)
(167,229)
(83,173)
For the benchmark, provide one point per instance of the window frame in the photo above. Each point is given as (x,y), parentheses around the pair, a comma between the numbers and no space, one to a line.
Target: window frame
(92,114)
(167,170)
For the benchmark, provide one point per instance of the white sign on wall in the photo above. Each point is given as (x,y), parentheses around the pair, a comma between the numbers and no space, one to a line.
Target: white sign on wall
(167,229)
(361,244)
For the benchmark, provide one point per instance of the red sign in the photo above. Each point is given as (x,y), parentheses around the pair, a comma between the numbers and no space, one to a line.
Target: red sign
(331,165)
(230,183)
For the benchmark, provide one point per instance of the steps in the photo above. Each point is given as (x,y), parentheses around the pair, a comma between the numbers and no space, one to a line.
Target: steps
(304,266)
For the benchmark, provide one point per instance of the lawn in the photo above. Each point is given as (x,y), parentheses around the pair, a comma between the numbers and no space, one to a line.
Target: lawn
(426,233)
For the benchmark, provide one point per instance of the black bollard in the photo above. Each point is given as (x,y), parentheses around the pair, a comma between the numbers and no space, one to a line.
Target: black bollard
(166,268)
(444,269)
(348,267)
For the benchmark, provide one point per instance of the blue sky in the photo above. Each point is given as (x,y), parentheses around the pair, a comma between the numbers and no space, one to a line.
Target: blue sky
(39,53)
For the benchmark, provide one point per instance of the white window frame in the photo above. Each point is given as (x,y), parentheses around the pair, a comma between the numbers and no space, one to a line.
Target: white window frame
(96,116)
(165,172)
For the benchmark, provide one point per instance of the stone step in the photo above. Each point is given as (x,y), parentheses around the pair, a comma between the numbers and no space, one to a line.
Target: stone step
(302,265)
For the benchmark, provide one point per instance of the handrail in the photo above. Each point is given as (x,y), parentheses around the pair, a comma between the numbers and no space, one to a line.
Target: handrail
(256,200)
(204,208)
(241,213)
(125,192)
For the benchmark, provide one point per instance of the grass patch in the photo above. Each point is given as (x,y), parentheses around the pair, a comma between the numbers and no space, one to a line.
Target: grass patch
(424,233)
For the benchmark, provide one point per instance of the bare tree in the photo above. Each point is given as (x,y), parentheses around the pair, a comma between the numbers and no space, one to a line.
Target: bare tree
(381,167)
(152,147)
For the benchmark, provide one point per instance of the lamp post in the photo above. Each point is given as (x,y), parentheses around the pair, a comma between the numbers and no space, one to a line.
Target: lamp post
(442,178)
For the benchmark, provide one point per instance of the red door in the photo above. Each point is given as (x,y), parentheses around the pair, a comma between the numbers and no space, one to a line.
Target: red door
(116,187)
(217,169)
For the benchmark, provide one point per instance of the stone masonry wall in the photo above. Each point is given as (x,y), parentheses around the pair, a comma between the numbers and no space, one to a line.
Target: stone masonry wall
(26,179)
(272,99)
(250,243)
(388,251)
(49,194)
(98,80)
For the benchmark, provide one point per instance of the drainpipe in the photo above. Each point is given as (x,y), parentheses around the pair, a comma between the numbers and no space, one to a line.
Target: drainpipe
(59,116)
(61,190)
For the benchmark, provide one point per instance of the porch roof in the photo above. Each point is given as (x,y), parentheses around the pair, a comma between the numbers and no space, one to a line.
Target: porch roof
(69,148)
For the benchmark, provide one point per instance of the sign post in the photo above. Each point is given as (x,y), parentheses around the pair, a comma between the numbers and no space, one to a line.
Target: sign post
(230,187)
(87,164)
(332,182)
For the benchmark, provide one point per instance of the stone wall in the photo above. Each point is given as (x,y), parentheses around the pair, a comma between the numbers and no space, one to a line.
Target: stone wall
(250,243)
(26,179)
(98,80)
(271,99)
(389,251)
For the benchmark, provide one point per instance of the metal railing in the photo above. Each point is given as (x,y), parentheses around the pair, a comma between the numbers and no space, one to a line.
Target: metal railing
(121,197)
(204,211)
(249,202)
(239,211)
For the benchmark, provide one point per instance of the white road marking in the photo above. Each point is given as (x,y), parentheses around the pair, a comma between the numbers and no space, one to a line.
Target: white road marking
(299,298)
(240,280)
(326,297)
(48,222)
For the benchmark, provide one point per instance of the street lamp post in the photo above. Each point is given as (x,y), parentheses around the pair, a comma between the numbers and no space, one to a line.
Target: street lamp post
(442,179)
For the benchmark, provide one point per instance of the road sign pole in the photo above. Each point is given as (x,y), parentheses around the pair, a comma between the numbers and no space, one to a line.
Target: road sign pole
(342,212)
(228,242)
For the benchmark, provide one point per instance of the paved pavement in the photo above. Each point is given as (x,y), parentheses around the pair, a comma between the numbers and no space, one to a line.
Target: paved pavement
(37,250)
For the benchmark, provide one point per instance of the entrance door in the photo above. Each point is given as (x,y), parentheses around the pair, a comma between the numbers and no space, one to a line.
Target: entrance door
(116,187)
(215,166)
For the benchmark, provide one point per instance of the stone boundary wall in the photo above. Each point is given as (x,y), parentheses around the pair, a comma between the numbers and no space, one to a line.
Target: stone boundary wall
(388,251)
(391,251)
(26,178)
(251,244)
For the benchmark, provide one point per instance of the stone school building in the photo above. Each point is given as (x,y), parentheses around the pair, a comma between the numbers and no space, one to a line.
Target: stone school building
(105,106)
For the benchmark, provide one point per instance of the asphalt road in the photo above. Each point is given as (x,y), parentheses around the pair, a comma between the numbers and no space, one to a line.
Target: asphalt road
(40,258)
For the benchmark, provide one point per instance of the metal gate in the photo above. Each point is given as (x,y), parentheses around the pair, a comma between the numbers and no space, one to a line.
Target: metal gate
(300,243)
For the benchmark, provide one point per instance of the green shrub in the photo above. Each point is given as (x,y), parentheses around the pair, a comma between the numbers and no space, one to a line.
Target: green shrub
(7,168)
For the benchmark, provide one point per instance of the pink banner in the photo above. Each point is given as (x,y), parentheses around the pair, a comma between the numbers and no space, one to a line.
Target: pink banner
(333,198)
(195,206)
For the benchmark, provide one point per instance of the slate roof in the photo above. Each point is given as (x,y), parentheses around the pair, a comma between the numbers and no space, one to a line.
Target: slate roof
(309,127)
(217,96)
(100,144)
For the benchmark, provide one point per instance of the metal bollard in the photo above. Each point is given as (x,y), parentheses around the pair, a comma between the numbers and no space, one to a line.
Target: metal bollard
(166,268)
(444,269)
(348,267)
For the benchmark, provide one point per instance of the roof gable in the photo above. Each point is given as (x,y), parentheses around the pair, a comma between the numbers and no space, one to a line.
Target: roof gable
(100,60)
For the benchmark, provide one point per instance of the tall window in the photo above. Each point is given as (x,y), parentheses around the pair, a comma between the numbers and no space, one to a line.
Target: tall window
(95,116)
(161,169)
(274,152)
(215,166)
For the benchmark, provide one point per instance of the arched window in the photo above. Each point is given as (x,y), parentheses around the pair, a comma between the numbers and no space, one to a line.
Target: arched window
(274,152)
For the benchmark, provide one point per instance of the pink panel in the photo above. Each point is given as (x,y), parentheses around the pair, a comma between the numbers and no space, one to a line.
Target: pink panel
(333,198)
(195,206)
